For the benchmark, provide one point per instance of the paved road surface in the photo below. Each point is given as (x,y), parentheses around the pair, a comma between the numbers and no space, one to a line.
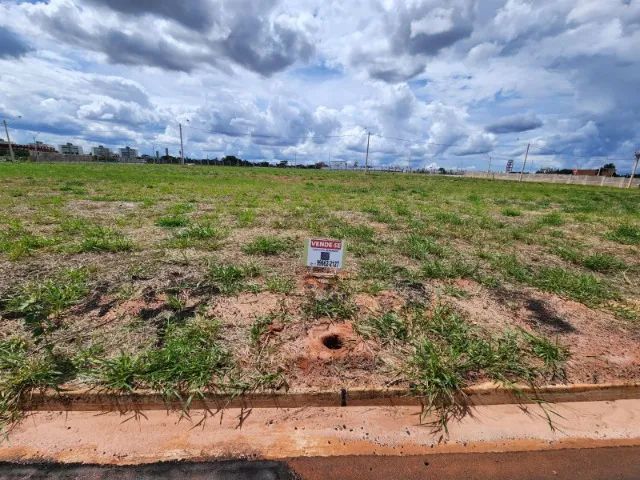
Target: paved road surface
(619,463)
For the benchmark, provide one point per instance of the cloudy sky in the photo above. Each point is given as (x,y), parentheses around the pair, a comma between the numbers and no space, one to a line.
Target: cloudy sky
(436,82)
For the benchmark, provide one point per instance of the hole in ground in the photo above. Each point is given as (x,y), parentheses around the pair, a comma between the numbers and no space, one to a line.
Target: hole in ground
(332,342)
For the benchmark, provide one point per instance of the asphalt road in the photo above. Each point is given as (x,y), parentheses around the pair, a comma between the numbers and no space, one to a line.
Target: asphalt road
(615,463)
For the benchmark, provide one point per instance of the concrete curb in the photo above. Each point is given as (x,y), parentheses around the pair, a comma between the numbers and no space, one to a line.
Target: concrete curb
(487,394)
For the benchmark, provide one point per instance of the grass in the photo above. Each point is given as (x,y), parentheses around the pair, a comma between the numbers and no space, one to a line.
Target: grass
(421,247)
(259,328)
(17,242)
(22,372)
(198,235)
(173,221)
(40,303)
(380,269)
(603,262)
(553,219)
(190,361)
(232,279)
(280,284)
(438,269)
(268,246)
(585,288)
(388,328)
(552,354)
(406,236)
(334,305)
(511,212)
(445,353)
(627,234)
(103,239)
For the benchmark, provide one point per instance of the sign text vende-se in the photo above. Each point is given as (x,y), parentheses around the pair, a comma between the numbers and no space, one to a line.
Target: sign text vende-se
(324,253)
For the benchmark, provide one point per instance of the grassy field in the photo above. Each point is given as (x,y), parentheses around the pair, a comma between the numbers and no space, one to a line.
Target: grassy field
(188,279)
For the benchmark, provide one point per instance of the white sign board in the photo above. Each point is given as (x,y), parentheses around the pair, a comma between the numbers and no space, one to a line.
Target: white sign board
(324,253)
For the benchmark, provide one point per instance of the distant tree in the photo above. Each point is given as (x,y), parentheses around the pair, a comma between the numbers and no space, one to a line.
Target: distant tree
(441,171)
(611,167)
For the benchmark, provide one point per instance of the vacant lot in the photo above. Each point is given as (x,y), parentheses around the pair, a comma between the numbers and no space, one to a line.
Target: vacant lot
(186,279)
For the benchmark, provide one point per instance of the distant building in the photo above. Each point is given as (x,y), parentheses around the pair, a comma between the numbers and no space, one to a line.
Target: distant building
(41,147)
(70,149)
(128,154)
(101,152)
(509,168)
(595,172)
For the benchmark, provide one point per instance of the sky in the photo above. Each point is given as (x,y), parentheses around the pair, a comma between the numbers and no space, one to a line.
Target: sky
(436,83)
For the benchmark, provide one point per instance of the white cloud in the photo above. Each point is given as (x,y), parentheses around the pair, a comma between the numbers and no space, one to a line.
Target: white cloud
(434,81)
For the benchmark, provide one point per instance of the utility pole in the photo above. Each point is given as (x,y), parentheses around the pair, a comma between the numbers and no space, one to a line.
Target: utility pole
(489,169)
(635,166)
(366,158)
(525,162)
(181,146)
(6,129)
(35,142)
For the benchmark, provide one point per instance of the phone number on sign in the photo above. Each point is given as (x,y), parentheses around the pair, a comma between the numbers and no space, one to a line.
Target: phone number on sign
(327,263)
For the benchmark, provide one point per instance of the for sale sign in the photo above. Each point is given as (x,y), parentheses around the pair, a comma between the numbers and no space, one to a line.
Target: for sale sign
(324,253)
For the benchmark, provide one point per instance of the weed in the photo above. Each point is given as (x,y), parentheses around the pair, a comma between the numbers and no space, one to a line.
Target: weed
(121,373)
(454,291)
(449,217)
(603,262)
(198,235)
(200,231)
(625,312)
(569,254)
(437,376)
(190,360)
(17,242)
(246,218)
(175,303)
(625,233)
(446,353)
(360,233)
(181,208)
(582,287)
(280,284)
(103,239)
(259,327)
(388,327)
(552,354)
(553,219)
(42,303)
(335,305)
(22,371)
(379,269)
(231,279)
(172,221)
(439,269)
(511,212)
(420,247)
(268,246)
(378,215)
(511,267)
